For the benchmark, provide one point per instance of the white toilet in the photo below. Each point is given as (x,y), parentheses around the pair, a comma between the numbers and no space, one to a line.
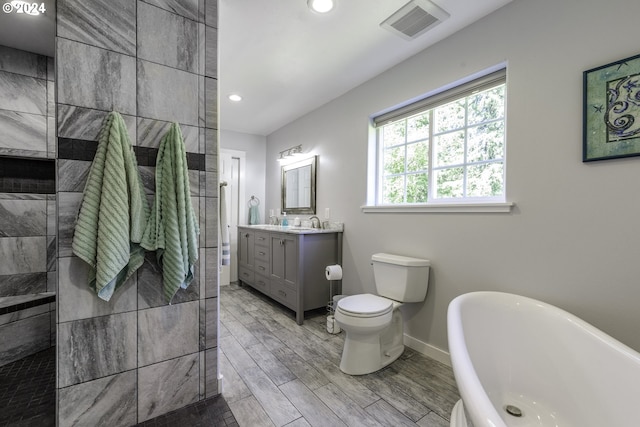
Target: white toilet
(373,324)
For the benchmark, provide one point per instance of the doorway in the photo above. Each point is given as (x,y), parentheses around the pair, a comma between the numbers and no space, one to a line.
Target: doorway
(232,166)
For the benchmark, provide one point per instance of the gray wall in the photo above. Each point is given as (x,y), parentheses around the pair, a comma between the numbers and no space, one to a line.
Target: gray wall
(571,239)
(136,357)
(27,239)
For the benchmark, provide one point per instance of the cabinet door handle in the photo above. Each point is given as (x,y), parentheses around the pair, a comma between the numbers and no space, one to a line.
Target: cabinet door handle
(260,238)
(261,283)
(246,235)
(281,292)
(261,268)
(281,242)
(262,253)
(245,274)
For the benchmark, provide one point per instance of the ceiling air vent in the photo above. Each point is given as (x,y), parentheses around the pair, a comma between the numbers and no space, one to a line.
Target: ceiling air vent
(414,18)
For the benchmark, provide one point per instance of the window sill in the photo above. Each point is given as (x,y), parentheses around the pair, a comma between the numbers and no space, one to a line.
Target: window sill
(498,207)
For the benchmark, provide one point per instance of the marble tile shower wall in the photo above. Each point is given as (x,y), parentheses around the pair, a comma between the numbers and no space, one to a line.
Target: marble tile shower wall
(27,212)
(136,357)
(26,104)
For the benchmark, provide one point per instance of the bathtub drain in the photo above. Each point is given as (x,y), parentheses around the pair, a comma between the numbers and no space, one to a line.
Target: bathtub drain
(513,410)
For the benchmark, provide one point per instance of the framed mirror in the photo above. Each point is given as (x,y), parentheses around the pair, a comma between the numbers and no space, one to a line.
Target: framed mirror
(299,187)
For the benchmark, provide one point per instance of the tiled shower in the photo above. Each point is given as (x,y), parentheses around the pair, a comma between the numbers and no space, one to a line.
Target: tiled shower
(27,204)
(135,357)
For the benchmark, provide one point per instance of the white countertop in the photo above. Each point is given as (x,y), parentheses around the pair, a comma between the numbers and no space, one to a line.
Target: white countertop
(333,228)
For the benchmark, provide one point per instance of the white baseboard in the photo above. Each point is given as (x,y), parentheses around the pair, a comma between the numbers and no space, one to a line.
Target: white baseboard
(427,349)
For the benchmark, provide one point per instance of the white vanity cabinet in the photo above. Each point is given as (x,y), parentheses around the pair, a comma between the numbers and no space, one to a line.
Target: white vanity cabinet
(289,265)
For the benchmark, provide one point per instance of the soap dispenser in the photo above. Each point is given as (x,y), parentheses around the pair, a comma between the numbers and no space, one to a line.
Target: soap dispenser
(285,221)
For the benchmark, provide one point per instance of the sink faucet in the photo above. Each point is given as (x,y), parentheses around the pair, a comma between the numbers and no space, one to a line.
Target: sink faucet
(315,222)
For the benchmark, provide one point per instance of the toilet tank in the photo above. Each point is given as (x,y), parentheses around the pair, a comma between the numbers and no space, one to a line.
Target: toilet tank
(401,278)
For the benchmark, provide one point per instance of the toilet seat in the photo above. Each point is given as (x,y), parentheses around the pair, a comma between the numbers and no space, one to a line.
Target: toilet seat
(365,305)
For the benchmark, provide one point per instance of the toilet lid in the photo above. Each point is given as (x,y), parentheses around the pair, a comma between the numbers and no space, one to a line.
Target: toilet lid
(365,305)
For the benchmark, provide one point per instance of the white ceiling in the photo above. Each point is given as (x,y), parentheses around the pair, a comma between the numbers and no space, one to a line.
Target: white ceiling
(284,59)
(287,61)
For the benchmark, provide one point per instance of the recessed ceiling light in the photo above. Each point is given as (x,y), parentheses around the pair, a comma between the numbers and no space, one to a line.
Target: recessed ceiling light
(320,6)
(235,97)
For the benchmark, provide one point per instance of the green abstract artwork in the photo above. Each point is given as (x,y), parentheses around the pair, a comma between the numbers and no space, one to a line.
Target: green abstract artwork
(612,110)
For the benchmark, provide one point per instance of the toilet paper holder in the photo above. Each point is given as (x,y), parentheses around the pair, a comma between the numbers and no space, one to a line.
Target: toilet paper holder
(332,272)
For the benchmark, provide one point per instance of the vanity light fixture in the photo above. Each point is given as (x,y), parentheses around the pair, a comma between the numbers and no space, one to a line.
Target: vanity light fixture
(321,6)
(235,97)
(290,152)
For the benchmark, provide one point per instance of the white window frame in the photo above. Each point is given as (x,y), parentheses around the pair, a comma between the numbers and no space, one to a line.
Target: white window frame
(488,79)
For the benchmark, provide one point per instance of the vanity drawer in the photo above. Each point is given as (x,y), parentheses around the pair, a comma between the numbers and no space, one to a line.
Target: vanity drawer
(246,275)
(262,284)
(262,267)
(262,239)
(284,294)
(261,253)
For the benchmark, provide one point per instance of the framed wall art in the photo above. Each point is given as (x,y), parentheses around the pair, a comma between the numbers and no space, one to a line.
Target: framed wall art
(612,110)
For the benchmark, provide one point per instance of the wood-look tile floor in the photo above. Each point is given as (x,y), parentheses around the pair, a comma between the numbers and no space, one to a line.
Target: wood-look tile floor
(277,373)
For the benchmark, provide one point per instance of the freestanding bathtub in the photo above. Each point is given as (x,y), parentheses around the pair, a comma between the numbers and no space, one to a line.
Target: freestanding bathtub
(522,362)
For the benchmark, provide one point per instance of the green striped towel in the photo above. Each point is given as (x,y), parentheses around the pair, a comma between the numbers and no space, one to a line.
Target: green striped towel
(113,212)
(172,229)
